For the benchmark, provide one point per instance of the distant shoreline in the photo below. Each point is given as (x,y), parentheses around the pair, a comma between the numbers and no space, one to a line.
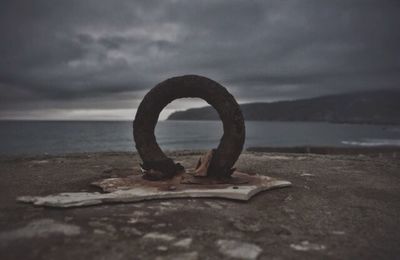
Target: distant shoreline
(392,151)
(296,121)
(36,138)
(193,120)
(372,107)
(375,150)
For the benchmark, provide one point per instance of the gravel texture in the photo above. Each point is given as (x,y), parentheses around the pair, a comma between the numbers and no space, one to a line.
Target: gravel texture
(339,207)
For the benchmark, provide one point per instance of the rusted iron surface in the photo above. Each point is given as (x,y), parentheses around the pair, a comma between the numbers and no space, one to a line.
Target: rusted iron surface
(203,164)
(237,178)
(156,164)
(185,181)
(136,189)
(181,181)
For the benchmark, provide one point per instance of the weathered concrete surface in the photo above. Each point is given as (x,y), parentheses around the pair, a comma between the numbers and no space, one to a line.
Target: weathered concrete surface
(339,207)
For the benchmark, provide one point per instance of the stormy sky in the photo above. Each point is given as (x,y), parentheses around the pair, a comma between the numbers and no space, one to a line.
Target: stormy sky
(96,59)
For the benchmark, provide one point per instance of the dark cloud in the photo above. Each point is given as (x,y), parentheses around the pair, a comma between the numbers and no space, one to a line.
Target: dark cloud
(99,54)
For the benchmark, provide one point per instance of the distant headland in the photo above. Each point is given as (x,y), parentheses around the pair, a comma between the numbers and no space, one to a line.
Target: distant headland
(373,107)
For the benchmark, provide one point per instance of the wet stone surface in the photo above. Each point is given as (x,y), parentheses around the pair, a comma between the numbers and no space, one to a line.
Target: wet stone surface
(339,207)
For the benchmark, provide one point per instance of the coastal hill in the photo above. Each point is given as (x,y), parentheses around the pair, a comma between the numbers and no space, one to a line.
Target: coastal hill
(373,107)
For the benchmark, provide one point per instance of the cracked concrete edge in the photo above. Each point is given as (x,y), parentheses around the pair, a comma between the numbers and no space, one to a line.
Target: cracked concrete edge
(81,199)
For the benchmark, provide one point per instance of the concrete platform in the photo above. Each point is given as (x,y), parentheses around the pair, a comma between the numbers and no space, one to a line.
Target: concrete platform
(339,207)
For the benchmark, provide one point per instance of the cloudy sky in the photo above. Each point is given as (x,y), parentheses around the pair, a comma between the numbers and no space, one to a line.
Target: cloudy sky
(96,59)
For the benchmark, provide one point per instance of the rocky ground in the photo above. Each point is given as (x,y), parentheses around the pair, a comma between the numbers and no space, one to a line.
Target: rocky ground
(339,207)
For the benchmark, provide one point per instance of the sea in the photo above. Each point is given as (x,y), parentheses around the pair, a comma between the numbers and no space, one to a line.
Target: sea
(64,137)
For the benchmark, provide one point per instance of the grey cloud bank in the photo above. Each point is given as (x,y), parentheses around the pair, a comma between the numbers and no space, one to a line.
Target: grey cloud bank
(83,59)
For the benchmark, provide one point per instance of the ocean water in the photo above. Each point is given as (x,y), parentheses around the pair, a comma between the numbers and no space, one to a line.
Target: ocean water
(62,137)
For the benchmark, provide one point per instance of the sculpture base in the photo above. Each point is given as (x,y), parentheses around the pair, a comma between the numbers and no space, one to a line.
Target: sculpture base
(134,188)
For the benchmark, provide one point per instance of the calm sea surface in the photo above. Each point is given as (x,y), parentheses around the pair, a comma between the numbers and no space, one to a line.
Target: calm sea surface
(54,137)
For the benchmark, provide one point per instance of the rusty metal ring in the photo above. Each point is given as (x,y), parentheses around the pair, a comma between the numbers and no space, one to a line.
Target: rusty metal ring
(189,86)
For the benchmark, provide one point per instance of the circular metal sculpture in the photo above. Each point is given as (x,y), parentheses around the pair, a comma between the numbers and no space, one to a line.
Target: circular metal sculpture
(189,86)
